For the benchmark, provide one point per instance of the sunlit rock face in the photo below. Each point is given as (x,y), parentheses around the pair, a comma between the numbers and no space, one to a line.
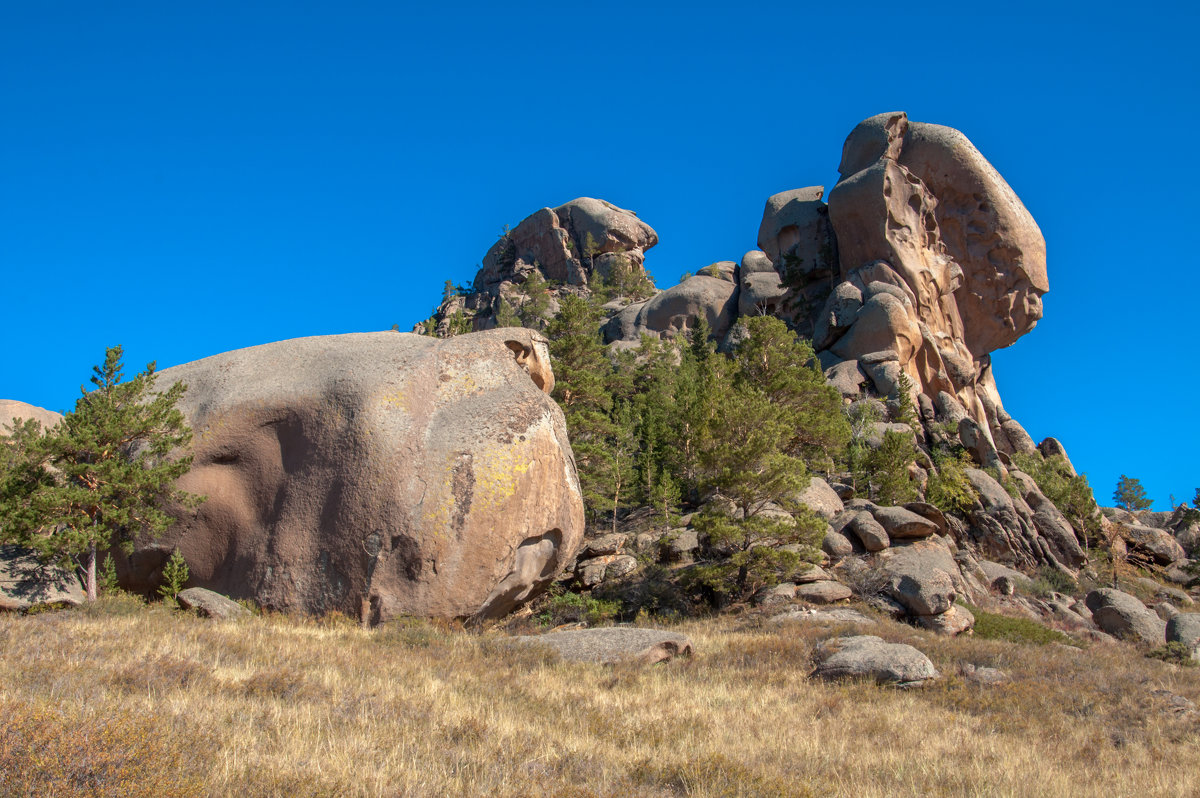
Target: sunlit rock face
(376,473)
(939,264)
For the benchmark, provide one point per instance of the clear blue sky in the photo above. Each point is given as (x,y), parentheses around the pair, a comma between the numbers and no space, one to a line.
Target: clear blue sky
(187,178)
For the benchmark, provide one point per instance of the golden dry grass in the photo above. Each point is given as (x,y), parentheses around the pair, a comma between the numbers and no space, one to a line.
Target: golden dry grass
(114,700)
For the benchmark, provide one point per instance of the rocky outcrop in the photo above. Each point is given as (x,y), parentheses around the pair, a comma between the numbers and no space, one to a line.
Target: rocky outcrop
(376,474)
(11,410)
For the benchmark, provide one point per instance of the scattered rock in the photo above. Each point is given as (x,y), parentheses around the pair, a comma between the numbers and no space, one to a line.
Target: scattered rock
(836,615)
(983,676)
(26,582)
(614,644)
(823,592)
(869,657)
(905,524)
(210,605)
(1122,615)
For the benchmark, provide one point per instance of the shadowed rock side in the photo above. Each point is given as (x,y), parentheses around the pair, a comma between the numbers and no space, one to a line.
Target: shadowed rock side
(376,473)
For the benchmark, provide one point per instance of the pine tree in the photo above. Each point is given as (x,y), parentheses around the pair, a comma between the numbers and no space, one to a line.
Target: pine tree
(112,469)
(746,462)
(1130,495)
(784,367)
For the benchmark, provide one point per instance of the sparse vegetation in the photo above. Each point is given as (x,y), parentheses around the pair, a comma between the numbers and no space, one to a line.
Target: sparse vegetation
(993,626)
(122,698)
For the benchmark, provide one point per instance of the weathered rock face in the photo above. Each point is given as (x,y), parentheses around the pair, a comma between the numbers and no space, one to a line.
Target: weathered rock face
(938,263)
(381,473)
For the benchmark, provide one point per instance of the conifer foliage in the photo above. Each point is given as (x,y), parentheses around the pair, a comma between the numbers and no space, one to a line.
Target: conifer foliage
(102,476)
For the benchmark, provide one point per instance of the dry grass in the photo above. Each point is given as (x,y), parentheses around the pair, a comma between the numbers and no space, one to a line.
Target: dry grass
(109,701)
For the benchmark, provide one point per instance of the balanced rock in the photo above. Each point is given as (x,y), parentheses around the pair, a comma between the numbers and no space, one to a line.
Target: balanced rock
(376,474)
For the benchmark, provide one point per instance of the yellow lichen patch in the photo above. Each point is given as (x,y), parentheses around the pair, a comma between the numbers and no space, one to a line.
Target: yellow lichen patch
(395,399)
(498,469)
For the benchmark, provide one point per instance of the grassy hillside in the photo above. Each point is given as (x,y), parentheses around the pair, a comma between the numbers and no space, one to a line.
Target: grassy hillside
(122,699)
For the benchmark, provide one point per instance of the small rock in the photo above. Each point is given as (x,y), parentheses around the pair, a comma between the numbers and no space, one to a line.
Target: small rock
(836,544)
(611,543)
(614,644)
(867,656)
(902,523)
(984,676)
(869,532)
(953,621)
(1185,628)
(836,615)
(210,604)
(823,592)
(815,573)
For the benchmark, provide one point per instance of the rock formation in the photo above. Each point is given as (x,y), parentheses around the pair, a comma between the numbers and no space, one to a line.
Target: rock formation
(375,473)
(12,410)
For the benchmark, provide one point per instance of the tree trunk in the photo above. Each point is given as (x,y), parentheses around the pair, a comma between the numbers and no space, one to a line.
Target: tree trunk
(91,572)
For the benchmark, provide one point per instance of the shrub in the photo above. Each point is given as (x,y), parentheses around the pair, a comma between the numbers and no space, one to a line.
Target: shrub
(993,626)
(1174,652)
(948,488)
(174,575)
(571,607)
(1051,580)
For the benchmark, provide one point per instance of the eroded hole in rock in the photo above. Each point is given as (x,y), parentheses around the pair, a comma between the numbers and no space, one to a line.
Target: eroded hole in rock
(523,356)
(534,564)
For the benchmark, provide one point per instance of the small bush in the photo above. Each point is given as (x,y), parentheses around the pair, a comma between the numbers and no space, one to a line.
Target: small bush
(571,607)
(1174,652)
(1051,580)
(993,626)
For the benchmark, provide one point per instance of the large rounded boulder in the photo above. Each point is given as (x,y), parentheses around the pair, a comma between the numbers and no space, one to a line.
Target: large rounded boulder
(380,474)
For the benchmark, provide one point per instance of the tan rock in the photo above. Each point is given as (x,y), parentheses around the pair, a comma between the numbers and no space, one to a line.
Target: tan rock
(376,473)
(11,410)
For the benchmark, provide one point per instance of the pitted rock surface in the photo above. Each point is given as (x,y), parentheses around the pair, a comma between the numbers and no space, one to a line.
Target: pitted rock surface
(375,474)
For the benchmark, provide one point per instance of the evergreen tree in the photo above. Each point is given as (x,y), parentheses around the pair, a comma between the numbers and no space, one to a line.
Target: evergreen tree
(746,462)
(111,473)
(784,367)
(1130,495)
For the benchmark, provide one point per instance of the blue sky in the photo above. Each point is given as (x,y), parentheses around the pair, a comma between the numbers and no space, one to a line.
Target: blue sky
(184,179)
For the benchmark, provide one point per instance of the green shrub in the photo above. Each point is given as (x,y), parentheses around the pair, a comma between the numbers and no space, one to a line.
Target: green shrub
(993,626)
(569,607)
(948,488)
(1174,652)
(174,576)
(1051,580)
